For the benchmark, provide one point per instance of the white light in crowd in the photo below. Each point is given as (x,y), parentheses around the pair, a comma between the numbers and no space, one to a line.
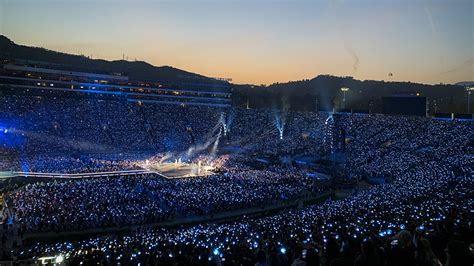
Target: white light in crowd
(59,259)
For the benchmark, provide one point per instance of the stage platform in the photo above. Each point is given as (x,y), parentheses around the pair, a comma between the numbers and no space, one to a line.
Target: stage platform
(180,170)
(166,170)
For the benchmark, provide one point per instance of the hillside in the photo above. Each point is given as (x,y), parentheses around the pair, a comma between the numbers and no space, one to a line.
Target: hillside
(323,92)
(136,70)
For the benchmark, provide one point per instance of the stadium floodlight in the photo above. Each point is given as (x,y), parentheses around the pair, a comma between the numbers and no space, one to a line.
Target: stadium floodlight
(344,90)
(469,91)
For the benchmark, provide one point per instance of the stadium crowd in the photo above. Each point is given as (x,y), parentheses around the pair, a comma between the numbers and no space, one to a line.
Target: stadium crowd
(391,145)
(74,131)
(42,125)
(422,215)
(422,218)
(148,198)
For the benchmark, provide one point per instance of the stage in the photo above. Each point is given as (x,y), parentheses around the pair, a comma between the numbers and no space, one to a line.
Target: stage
(167,170)
(180,170)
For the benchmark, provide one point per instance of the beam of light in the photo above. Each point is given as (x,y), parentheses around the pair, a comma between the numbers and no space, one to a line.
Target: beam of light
(216,144)
(230,119)
(199,147)
(166,157)
(226,119)
(217,127)
(280,121)
(210,137)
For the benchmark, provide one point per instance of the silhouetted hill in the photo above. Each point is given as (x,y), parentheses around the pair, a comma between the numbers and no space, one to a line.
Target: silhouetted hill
(136,70)
(323,92)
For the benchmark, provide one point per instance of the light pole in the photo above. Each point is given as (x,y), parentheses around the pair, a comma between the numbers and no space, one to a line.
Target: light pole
(469,92)
(344,90)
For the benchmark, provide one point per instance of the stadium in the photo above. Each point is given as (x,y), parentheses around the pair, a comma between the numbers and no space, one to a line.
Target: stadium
(101,169)
(243,133)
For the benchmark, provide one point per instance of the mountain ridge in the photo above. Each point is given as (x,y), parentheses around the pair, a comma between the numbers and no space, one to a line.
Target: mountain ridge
(136,70)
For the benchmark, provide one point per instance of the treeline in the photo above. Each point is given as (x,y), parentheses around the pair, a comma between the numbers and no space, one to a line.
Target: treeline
(324,93)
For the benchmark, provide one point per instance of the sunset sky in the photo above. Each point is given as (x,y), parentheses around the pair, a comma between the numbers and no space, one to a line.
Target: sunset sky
(260,41)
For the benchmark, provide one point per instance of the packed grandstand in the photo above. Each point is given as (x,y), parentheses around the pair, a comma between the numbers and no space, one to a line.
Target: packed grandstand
(285,187)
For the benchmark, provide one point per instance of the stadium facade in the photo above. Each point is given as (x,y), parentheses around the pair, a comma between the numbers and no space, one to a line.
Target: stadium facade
(59,81)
